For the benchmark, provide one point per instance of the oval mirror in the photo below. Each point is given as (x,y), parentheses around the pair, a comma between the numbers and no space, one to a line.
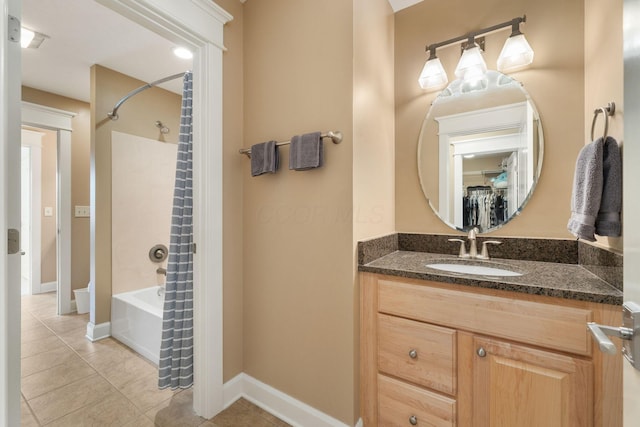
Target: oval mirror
(480,152)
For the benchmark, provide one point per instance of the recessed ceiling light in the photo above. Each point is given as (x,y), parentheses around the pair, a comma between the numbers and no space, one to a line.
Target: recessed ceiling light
(182,53)
(31,39)
(25,37)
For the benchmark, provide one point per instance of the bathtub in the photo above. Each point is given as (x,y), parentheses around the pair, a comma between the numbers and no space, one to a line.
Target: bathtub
(136,320)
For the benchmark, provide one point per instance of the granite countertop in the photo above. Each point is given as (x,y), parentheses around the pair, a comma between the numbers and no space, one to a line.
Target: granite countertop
(569,281)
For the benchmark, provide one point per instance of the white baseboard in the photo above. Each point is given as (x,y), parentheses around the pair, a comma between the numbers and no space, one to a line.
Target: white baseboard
(277,403)
(99,331)
(48,287)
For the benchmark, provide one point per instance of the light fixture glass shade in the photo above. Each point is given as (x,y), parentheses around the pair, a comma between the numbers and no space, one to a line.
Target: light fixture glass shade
(25,37)
(516,53)
(433,75)
(471,65)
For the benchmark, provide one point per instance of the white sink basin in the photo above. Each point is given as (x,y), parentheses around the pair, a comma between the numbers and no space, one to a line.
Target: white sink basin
(480,270)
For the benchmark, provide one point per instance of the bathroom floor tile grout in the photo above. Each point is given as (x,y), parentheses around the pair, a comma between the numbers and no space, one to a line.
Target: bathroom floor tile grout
(243,409)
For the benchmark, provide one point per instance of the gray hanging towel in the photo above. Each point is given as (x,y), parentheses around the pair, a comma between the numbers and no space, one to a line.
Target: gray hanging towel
(306,152)
(587,191)
(608,220)
(264,158)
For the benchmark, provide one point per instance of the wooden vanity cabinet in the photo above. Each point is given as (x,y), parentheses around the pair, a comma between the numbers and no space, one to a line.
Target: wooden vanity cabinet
(435,354)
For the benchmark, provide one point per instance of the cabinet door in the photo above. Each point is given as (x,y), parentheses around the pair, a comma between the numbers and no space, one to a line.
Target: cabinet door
(514,385)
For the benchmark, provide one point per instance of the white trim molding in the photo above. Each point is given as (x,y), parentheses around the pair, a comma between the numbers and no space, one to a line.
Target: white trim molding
(198,25)
(60,121)
(277,403)
(47,287)
(99,331)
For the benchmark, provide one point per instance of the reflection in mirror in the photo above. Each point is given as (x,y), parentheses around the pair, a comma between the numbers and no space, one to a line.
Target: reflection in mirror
(480,152)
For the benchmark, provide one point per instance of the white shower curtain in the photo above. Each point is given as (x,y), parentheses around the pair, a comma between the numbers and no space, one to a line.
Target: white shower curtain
(175,368)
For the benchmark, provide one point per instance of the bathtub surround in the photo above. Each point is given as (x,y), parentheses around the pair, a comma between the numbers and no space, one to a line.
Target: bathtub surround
(175,367)
(140,167)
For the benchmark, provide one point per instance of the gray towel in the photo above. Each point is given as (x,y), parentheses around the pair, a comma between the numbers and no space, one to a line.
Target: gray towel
(264,158)
(608,220)
(587,191)
(306,152)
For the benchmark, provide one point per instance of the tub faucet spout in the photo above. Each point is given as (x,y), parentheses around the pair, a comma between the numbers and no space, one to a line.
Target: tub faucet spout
(161,270)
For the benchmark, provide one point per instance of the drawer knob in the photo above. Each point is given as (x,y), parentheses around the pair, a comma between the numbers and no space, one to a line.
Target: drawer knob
(481,352)
(413,353)
(413,420)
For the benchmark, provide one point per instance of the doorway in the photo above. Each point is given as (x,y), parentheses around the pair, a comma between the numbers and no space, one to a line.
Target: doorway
(57,124)
(30,224)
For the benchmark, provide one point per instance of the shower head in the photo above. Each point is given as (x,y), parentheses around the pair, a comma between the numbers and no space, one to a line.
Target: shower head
(163,129)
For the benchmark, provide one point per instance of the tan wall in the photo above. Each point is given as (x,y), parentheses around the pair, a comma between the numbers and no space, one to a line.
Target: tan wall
(298,248)
(233,165)
(137,117)
(80,143)
(603,75)
(555,30)
(49,225)
(373,120)
(142,182)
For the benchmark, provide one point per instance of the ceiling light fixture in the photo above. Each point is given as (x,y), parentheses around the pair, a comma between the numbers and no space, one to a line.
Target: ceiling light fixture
(26,36)
(182,53)
(31,39)
(471,68)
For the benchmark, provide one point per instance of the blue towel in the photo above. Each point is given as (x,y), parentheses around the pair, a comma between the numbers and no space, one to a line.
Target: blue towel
(306,152)
(264,158)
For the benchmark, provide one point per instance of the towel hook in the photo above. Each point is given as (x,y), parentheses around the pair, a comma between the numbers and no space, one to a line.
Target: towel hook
(607,111)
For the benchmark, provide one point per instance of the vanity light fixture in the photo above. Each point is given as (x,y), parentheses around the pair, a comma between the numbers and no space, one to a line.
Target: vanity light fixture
(471,68)
(433,75)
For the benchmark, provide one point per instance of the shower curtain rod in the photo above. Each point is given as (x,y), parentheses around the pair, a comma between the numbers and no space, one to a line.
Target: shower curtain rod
(113,115)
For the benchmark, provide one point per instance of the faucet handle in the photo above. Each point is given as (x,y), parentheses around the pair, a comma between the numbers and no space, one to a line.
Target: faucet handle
(485,251)
(463,250)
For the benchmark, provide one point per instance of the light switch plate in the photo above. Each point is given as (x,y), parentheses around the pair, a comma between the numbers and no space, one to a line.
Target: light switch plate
(82,212)
(48,211)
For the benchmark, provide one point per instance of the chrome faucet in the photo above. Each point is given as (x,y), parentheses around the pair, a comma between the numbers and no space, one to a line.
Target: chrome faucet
(473,248)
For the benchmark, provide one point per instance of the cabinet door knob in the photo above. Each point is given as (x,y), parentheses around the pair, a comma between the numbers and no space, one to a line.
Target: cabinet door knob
(481,352)
(413,420)
(413,353)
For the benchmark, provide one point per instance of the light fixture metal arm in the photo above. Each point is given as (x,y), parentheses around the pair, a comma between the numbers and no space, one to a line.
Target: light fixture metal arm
(513,23)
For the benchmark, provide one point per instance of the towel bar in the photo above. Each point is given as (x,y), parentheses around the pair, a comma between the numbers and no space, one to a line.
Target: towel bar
(607,111)
(336,137)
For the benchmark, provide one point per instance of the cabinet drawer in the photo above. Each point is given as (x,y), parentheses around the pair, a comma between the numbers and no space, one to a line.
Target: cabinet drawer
(546,325)
(421,353)
(398,402)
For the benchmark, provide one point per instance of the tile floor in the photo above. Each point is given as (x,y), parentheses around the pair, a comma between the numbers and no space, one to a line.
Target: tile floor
(68,381)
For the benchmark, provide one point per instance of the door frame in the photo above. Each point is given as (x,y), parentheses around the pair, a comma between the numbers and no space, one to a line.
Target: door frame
(198,25)
(10,78)
(59,121)
(35,176)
